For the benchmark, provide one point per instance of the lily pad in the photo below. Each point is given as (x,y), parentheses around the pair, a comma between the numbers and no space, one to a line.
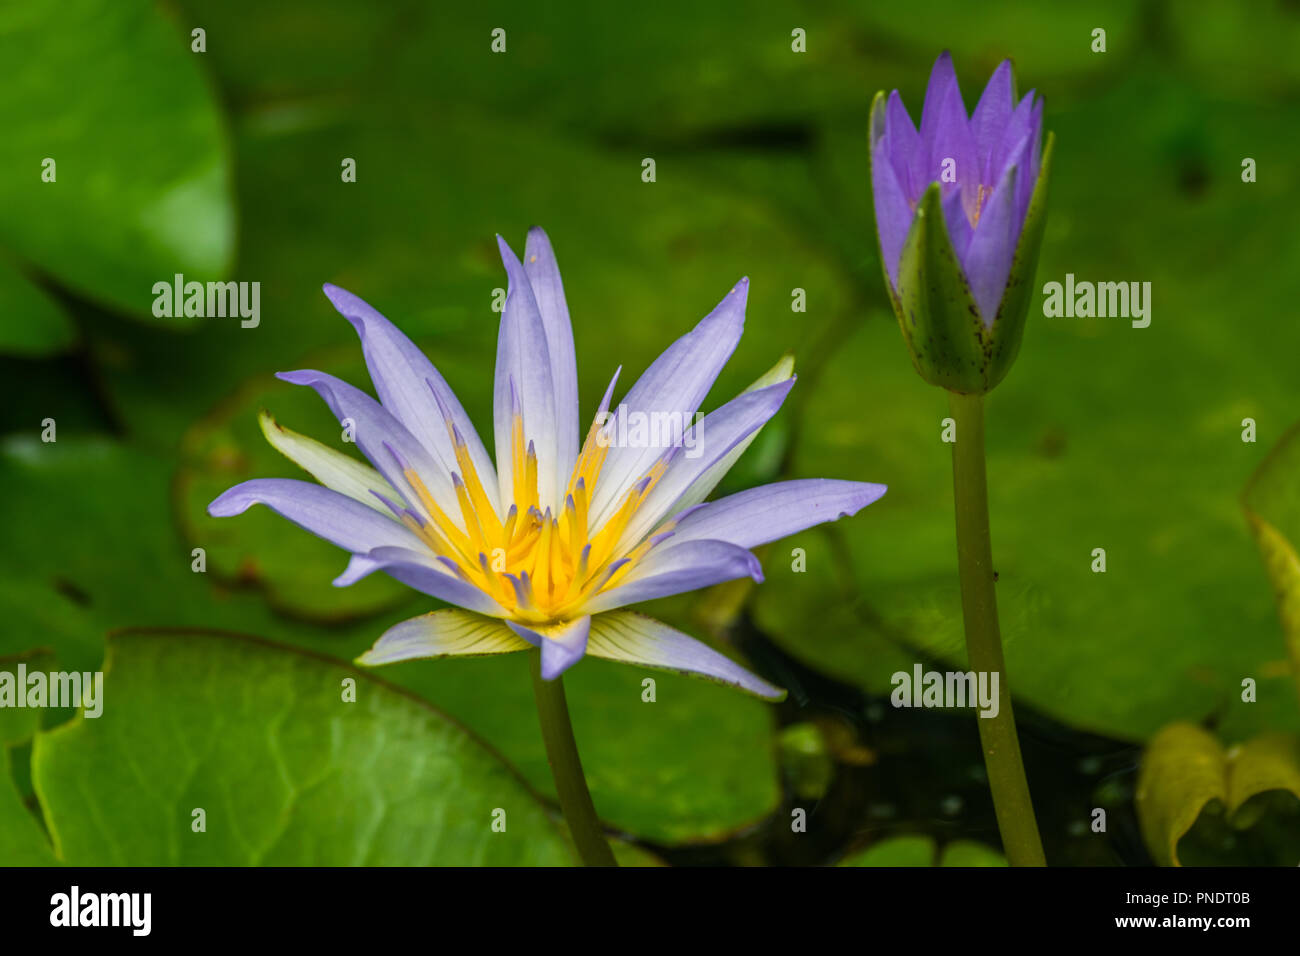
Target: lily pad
(22,841)
(695,764)
(918,850)
(138,187)
(426,258)
(286,770)
(106,554)
(895,851)
(968,853)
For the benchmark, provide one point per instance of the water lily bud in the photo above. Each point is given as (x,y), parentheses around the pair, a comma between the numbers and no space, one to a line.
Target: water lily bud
(960,206)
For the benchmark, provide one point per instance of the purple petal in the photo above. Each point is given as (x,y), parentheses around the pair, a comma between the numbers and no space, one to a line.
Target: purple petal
(338,519)
(959,228)
(710,440)
(419,570)
(991,116)
(675,569)
(1014,141)
(631,638)
(359,566)
(988,259)
(444,633)
(709,479)
(759,515)
(602,412)
(675,383)
(384,440)
(943,79)
(406,382)
(946,135)
(524,358)
(904,148)
(893,213)
(1031,166)
(544,276)
(562,645)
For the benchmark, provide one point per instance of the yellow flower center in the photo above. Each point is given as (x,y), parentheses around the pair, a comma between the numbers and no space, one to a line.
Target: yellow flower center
(539,566)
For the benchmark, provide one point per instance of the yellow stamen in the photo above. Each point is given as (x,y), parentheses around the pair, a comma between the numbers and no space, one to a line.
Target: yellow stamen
(981,194)
(541,567)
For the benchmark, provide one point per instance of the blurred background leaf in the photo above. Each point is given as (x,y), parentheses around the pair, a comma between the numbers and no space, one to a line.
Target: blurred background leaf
(34,323)
(111,94)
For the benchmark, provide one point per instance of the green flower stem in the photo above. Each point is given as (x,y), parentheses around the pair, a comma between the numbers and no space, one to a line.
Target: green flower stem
(979,605)
(566,768)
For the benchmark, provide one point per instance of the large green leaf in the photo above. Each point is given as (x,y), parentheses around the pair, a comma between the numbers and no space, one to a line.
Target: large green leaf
(286,770)
(113,95)
(427,259)
(21,841)
(695,764)
(19,724)
(100,552)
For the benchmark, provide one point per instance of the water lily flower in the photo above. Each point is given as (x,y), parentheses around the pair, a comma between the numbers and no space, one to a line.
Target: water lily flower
(960,206)
(547,546)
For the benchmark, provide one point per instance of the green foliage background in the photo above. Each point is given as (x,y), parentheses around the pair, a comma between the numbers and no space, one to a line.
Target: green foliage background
(226,164)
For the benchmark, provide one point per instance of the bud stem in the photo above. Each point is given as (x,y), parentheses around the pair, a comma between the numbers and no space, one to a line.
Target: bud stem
(566,768)
(1006,771)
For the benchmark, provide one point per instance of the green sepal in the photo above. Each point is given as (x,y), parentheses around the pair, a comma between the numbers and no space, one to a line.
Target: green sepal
(936,311)
(1009,323)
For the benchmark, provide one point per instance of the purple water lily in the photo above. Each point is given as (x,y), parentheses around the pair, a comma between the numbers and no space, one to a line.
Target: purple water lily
(548,546)
(986,166)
